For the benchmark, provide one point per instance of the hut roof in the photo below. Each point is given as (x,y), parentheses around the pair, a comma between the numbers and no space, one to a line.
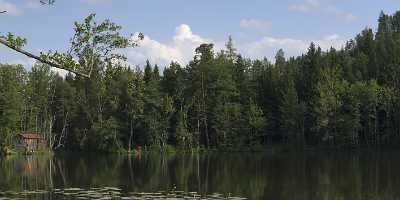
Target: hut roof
(35,136)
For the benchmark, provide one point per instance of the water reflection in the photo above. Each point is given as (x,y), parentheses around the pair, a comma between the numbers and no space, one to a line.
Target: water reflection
(107,193)
(305,176)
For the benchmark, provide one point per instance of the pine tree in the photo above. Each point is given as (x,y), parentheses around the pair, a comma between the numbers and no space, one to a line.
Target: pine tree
(292,114)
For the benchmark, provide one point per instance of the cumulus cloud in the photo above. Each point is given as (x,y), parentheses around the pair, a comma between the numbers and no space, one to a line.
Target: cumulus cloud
(268,46)
(24,61)
(9,7)
(180,49)
(322,6)
(256,25)
(33,4)
(348,17)
(305,6)
(183,43)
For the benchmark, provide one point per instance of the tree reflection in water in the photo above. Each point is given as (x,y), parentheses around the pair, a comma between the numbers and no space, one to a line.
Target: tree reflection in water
(254,176)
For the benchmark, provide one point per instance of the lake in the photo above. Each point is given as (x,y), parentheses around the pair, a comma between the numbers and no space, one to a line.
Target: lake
(339,175)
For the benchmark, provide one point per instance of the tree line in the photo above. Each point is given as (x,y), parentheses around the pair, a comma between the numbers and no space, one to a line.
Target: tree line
(220,100)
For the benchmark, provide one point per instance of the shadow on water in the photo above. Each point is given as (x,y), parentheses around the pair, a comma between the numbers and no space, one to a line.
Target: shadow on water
(365,175)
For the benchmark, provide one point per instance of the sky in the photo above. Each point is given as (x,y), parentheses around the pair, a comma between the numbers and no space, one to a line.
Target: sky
(174,28)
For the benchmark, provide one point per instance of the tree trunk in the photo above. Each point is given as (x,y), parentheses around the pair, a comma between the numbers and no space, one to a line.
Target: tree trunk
(204,112)
(130,137)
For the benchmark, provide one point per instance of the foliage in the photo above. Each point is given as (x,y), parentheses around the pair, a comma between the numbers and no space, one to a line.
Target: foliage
(92,44)
(220,100)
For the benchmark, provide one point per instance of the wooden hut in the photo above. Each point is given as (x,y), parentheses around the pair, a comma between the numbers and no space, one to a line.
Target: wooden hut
(29,142)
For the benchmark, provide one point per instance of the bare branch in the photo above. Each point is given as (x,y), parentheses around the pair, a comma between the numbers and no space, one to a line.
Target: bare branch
(52,64)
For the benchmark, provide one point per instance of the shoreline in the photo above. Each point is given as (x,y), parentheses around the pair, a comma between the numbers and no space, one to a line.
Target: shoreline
(273,149)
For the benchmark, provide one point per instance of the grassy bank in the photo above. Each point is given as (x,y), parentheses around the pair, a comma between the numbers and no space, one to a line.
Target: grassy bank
(9,151)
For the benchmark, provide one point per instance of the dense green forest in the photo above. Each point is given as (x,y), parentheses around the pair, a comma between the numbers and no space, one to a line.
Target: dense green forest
(220,100)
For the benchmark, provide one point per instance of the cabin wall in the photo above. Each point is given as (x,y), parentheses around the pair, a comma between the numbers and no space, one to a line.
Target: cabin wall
(20,144)
(23,144)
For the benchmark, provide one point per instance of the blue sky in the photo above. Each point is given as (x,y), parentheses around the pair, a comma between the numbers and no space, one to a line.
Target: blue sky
(173,28)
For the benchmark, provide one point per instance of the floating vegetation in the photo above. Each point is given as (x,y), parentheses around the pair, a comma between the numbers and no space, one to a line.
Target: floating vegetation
(110,193)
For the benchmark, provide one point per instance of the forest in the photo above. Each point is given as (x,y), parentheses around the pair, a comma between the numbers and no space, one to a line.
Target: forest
(221,100)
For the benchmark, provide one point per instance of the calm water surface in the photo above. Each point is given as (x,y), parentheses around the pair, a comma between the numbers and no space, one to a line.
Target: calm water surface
(366,175)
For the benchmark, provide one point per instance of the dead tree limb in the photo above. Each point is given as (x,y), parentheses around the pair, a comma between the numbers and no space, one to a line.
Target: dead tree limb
(52,64)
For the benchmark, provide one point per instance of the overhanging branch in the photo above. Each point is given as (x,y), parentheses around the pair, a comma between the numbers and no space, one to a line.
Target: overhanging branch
(52,64)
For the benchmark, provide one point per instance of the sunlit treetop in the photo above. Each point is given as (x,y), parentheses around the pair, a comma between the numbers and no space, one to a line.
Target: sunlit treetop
(93,43)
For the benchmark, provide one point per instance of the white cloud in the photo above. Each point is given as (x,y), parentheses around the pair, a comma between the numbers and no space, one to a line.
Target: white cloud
(257,25)
(305,6)
(9,7)
(182,45)
(299,8)
(348,17)
(322,6)
(180,49)
(268,46)
(24,61)
(28,63)
(33,4)
(314,3)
